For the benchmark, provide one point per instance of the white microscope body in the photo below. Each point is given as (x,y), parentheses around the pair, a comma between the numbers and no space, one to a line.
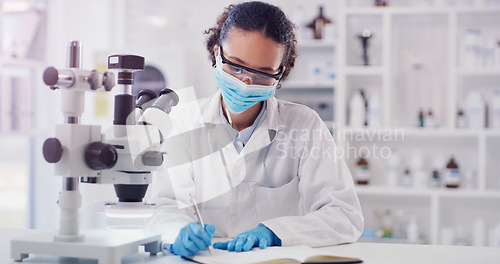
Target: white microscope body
(80,152)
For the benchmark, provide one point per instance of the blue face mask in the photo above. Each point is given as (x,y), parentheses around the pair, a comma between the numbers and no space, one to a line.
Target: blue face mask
(238,95)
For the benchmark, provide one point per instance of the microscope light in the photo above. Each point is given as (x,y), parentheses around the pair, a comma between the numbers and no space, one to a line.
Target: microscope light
(129,210)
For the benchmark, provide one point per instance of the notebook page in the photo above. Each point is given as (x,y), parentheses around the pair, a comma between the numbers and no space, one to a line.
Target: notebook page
(256,255)
(300,253)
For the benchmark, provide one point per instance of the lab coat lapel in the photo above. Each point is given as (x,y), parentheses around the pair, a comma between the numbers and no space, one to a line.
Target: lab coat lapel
(210,117)
(267,129)
(222,139)
(210,111)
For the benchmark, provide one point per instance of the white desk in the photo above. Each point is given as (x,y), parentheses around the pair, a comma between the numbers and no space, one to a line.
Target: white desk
(371,253)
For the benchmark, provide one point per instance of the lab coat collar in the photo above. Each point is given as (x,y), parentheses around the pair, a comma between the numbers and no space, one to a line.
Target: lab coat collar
(210,113)
(265,132)
(272,114)
(274,120)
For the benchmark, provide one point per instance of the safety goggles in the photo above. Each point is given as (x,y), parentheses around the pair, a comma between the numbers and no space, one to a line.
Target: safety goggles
(257,77)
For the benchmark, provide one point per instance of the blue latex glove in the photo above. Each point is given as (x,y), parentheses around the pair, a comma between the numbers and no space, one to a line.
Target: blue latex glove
(260,236)
(192,238)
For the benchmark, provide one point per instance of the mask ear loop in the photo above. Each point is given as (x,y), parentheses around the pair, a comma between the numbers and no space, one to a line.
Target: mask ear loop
(229,116)
(218,60)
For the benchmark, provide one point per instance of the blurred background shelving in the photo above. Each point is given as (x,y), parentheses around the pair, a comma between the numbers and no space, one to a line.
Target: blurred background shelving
(22,60)
(418,64)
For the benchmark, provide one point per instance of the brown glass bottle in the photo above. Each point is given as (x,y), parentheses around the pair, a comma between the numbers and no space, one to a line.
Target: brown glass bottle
(452,177)
(318,24)
(421,118)
(362,172)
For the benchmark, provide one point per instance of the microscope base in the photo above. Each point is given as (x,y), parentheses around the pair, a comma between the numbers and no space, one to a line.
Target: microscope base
(108,247)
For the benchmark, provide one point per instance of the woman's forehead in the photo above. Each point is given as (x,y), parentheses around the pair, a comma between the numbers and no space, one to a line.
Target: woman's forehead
(253,48)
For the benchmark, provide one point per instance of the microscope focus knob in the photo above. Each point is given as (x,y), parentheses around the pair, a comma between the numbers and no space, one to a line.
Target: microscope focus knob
(93,80)
(52,150)
(108,81)
(50,76)
(100,156)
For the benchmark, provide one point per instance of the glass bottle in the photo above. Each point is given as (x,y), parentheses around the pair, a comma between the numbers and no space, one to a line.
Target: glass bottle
(429,120)
(362,171)
(421,118)
(435,178)
(380,3)
(461,119)
(452,176)
(387,223)
(318,24)
(407,179)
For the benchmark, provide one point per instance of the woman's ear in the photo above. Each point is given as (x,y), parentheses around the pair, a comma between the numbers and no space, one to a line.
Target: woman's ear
(216,50)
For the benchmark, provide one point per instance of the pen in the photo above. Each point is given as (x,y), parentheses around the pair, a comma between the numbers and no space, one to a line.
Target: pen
(198,215)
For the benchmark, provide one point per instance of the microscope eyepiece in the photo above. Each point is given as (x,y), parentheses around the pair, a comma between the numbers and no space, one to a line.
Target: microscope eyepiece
(168,98)
(144,99)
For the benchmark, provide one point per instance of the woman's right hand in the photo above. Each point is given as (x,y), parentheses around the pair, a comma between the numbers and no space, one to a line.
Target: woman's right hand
(192,238)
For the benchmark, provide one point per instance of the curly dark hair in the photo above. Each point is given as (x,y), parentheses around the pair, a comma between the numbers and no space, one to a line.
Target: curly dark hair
(256,16)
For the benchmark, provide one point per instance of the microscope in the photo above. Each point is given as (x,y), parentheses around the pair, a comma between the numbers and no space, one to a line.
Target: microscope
(124,157)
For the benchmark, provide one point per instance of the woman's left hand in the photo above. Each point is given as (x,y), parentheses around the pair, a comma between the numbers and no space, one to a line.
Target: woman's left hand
(260,236)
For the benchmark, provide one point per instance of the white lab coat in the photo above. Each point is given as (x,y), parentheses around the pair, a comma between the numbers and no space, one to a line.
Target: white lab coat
(287,177)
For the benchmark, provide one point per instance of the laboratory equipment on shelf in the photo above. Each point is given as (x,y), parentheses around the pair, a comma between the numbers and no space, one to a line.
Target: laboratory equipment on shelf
(364,37)
(362,173)
(318,24)
(125,158)
(452,174)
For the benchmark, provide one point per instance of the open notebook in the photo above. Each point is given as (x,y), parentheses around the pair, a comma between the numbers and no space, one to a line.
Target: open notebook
(295,254)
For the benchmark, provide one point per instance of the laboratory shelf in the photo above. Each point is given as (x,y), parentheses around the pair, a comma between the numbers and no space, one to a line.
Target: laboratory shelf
(431,10)
(477,9)
(308,84)
(392,191)
(365,10)
(387,240)
(439,132)
(418,132)
(492,133)
(397,10)
(364,70)
(479,72)
(416,10)
(424,192)
(450,132)
(315,44)
(448,193)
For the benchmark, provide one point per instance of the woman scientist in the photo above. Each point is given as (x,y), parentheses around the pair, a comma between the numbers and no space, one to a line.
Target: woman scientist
(269,174)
